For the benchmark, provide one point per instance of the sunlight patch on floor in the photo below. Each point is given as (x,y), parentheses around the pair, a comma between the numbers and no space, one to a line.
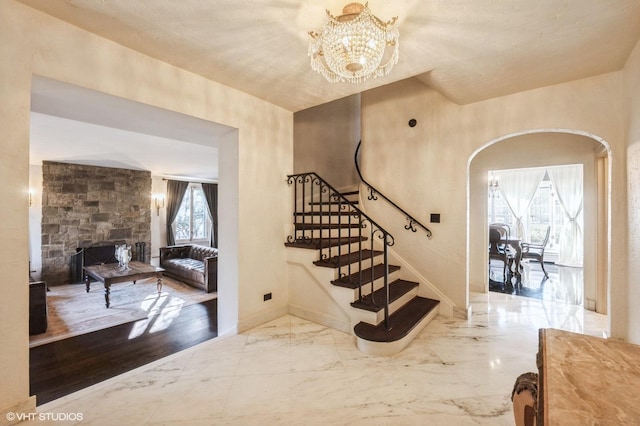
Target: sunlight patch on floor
(162,311)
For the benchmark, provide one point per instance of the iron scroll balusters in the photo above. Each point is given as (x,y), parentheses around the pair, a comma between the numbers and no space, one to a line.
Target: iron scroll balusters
(325,220)
(373,195)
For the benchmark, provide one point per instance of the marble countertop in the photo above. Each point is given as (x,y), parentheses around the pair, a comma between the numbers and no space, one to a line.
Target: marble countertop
(588,380)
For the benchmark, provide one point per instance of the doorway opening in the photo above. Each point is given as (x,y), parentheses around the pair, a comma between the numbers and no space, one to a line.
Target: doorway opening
(545,148)
(95,123)
(543,209)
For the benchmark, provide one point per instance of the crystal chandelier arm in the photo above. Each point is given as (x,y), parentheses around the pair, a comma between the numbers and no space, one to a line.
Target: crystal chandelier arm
(351,46)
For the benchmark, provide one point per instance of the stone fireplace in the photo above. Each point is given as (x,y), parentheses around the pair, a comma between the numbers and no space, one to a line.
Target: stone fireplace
(84,206)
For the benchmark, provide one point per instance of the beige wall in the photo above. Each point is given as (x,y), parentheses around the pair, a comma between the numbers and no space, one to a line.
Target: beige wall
(624,302)
(426,167)
(34,43)
(325,140)
(14,216)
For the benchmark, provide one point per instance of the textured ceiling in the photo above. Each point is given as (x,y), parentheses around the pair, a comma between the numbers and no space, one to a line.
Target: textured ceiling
(76,125)
(469,50)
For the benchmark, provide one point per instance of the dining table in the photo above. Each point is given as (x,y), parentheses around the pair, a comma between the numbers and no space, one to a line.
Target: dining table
(516,265)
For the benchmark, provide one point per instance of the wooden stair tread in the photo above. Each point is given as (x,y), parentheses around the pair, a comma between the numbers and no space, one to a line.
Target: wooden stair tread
(345,259)
(344,194)
(328,213)
(353,280)
(397,289)
(317,243)
(402,322)
(333,203)
(316,226)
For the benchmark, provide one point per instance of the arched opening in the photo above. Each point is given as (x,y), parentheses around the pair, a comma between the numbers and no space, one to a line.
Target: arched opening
(544,148)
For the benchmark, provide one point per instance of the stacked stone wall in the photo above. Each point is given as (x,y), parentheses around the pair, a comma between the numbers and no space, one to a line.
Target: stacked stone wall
(87,205)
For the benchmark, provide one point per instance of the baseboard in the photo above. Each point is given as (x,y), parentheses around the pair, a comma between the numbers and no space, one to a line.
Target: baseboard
(19,412)
(261,318)
(462,313)
(229,332)
(322,319)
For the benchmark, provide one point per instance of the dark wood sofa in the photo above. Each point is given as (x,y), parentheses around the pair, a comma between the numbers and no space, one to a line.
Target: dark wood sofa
(192,264)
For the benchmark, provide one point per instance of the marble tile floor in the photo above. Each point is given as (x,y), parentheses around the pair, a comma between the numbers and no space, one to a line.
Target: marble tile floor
(294,372)
(564,284)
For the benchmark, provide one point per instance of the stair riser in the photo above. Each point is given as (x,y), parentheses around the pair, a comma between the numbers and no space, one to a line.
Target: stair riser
(377,284)
(334,219)
(375,318)
(329,232)
(352,268)
(334,207)
(345,248)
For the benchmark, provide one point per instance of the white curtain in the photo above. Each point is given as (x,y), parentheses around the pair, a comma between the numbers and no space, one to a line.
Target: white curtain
(567,181)
(518,187)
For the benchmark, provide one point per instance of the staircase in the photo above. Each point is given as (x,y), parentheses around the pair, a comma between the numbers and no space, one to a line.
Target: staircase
(386,311)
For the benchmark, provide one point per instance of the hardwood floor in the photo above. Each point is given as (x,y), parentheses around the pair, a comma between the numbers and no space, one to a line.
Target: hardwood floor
(66,366)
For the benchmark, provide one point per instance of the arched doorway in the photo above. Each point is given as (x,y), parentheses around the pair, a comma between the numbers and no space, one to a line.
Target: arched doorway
(540,148)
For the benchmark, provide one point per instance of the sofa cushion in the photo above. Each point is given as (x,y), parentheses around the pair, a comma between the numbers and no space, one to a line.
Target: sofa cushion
(178,252)
(187,263)
(201,252)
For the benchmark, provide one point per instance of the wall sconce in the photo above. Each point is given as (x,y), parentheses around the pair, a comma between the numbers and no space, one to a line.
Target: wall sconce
(494,186)
(158,201)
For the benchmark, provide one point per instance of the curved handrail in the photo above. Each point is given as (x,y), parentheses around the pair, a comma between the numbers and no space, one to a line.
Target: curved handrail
(372,196)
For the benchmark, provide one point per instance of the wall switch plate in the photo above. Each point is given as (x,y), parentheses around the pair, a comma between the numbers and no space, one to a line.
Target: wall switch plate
(267,296)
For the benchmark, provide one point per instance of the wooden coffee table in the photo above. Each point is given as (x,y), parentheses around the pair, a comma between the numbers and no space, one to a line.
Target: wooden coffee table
(110,273)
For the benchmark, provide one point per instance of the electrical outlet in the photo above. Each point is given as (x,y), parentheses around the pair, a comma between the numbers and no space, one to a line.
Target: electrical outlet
(267,296)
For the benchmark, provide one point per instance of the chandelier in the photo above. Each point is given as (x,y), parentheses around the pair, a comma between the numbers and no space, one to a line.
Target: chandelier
(350,47)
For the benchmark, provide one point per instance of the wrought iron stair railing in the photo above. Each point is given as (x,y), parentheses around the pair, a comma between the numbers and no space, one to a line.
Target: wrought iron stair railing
(374,193)
(326,220)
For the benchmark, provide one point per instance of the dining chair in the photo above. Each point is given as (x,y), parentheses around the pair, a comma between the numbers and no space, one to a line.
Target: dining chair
(536,250)
(499,249)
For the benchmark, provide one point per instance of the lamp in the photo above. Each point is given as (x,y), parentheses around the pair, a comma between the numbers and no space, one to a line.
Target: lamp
(494,186)
(158,200)
(351,46)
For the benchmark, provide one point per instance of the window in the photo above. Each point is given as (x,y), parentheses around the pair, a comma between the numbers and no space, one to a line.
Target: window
(541,213)
(544,210)
(193,223)
(499,211)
